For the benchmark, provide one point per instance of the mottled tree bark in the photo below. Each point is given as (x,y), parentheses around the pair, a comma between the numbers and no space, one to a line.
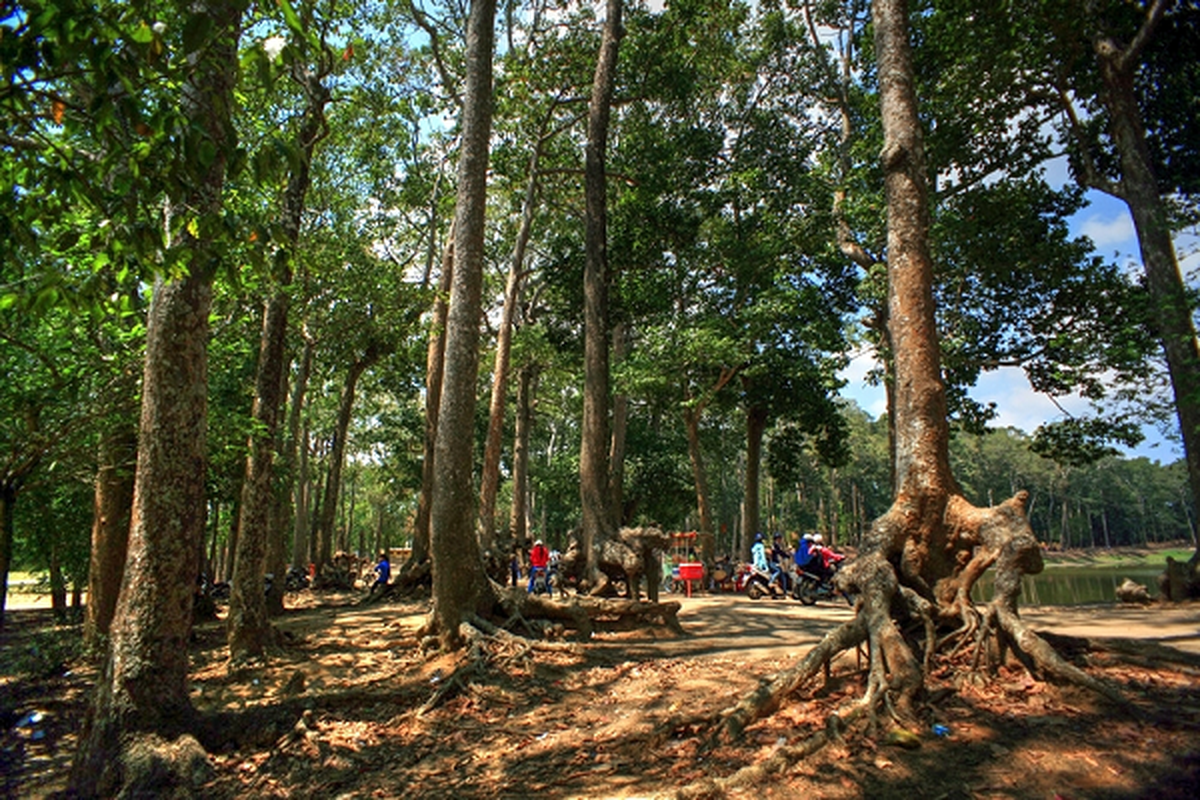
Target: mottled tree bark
(490,472)
(296,454)
(620,428)
(337,455)
(756,425)
(143,685)
(705,540)
(110,532)
(517,527)
(435,365)
(249,627)
(598,523)
(460,585)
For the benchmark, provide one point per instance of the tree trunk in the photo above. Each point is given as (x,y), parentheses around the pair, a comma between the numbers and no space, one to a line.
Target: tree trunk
(326,527)
(518,531)
(460,584)
(214,511)
(597,519)
(263,502)
(435,367)
(277,556)
(231,543)
(620,424)
(297,454)
(1139,189)
(110,532)
(8,499)
(490,474)
(58,586)
(349,500)
(756,425)
(143,686)
(248,626)
(691,417)
(693,410)
(922,557)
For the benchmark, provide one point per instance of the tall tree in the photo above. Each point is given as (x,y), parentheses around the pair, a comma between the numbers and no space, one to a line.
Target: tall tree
(460,584)
(1119,52)
(247,618)
(921,558)
(112,511)
(594,496)
(490,471)
(143,686)
(1108,75)
(435,365)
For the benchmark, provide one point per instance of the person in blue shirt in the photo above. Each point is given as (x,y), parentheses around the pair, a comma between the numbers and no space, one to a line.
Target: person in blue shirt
(383,571)
(758,553)
(804,554)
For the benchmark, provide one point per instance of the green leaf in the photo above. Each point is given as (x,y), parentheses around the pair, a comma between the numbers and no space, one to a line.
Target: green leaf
(196,31)
(142,34)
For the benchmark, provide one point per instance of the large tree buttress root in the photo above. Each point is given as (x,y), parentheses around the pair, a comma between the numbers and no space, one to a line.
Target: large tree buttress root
(915,613)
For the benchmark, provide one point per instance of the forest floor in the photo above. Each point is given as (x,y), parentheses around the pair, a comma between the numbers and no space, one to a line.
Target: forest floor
(336,711)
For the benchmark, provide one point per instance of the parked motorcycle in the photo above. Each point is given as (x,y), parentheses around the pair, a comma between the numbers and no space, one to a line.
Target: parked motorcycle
(757,583)
(809,587)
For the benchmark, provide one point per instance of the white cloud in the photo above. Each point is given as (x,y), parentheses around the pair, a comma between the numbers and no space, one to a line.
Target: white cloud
(1017,405)
(872,399)
(1108,230)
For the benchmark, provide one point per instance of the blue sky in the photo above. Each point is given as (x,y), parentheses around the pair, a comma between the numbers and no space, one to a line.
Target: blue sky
(1107,223)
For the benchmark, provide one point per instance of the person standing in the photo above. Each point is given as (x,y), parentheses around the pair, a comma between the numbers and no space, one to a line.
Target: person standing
(514,565)
(539,558)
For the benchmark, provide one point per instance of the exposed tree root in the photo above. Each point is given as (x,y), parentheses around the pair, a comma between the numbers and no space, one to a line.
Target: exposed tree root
(909,590)
(755,774)
(491,646)
(584,614)
(1046,659)
(473,665)
(412,579)
(498,634)
(768,697)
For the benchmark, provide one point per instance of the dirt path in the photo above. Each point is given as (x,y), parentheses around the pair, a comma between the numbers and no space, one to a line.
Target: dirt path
(624,717)
(1174,625)
(725,625)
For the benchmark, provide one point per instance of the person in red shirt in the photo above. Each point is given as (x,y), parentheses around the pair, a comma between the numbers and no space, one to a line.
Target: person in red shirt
(828,557)
(539,558)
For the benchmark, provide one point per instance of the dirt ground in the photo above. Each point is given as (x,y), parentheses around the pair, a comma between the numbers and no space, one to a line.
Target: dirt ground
(342,710)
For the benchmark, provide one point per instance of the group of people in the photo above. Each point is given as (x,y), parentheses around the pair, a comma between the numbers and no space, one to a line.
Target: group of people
(811,556)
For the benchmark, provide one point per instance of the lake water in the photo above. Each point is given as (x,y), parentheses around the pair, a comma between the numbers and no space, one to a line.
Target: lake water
(1073,586)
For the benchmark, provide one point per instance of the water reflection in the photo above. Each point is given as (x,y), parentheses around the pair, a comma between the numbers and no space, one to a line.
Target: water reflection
(1073,586)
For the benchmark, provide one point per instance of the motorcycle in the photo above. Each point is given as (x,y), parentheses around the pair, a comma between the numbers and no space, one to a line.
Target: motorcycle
(809,587)
(296,579)
(758,583)
(547,580)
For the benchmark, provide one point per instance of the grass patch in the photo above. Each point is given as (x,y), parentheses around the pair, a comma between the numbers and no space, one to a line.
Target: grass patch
(1117,557)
